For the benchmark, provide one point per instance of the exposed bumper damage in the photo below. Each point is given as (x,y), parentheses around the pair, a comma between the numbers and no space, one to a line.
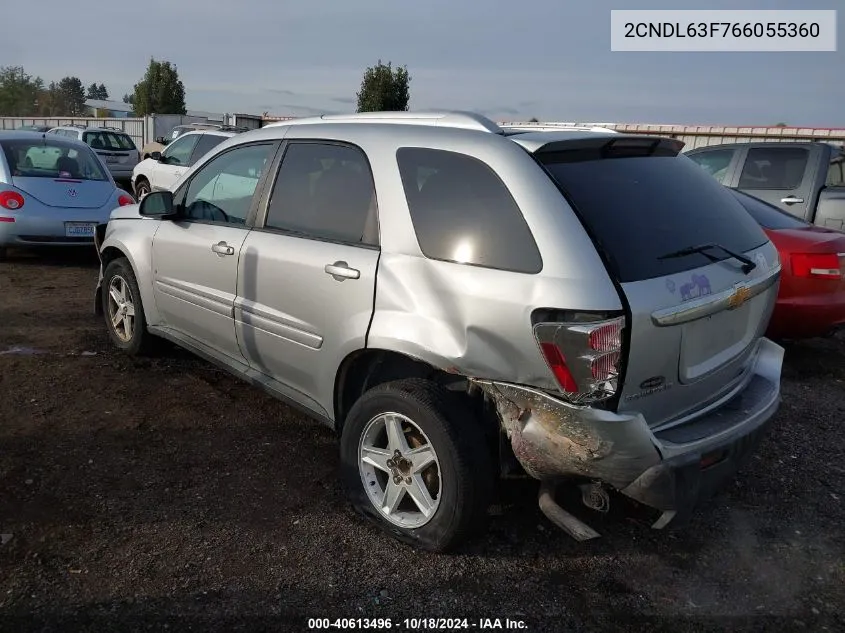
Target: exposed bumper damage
(669,469)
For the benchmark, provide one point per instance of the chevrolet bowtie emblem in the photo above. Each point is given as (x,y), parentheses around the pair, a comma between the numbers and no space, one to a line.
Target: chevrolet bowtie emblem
(740,295)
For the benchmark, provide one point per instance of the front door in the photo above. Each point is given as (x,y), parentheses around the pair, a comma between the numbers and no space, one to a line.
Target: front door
(195,257)
(307,272)
(175,159)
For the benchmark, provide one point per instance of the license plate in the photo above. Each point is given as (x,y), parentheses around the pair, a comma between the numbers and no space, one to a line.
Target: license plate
(80,229)
(112,159)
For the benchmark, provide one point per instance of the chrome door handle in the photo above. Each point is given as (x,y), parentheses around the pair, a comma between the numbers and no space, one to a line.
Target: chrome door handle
(222,248)
(341,271)
(792,200)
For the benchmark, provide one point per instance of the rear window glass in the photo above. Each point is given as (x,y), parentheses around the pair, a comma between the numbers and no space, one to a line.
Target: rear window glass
(113,141)
(639,208)
(774,168)
(49,159)
(766,215)
(462,212)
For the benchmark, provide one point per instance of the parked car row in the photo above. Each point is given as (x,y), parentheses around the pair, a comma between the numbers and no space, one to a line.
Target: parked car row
(458,301)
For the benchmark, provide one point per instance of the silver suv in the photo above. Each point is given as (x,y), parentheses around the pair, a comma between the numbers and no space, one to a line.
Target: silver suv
(457,303)
(115,147)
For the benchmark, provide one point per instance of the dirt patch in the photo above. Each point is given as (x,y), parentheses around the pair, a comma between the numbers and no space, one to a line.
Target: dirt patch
(139,494)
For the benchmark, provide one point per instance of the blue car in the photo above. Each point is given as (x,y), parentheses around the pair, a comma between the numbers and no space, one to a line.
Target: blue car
(54,191)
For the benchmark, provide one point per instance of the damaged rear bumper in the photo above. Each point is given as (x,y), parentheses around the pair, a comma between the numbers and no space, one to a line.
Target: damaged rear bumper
(671,468)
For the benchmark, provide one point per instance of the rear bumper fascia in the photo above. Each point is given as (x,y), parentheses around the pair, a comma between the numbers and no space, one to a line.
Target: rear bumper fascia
(661,468)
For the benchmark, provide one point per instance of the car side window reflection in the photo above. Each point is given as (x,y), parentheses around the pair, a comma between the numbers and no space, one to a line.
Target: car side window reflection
(325,191)
(178,153)
(223,188)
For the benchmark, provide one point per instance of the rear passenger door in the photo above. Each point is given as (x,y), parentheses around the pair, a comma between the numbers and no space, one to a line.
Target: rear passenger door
(781,174)
(306,279)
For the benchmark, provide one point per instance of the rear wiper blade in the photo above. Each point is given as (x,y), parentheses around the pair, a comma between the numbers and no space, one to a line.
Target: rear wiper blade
(747,264)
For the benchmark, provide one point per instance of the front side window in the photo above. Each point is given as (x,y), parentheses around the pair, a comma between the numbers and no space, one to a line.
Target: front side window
(325,191)
(462,212)
(715,162)
(178,153)
(774,168)
(223,189)
(109,141)
(51,159)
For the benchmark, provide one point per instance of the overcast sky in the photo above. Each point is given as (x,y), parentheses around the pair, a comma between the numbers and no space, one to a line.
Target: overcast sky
(548,59)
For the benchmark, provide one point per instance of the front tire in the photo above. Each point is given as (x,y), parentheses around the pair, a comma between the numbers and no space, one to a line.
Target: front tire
(416,463)
(142,188)
(123,310)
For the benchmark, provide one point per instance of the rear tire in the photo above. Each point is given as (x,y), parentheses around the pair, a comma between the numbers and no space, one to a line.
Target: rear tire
(385,486)
(123,310)
(4,254)
(142,188)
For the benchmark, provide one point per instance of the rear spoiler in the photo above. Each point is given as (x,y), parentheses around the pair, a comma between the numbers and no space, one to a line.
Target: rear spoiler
(599,146)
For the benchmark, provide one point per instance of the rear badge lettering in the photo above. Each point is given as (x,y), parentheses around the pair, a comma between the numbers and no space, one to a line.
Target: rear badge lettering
(649,387)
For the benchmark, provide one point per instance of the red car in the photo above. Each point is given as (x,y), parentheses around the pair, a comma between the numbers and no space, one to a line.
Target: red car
(811,299)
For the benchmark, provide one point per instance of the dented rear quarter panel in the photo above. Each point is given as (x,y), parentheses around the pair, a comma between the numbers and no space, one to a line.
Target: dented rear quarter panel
(473,320)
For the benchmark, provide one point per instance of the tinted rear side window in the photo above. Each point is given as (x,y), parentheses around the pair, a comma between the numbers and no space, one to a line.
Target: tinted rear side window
(774,168)
(205,145)
(462,212)
(766,215)
(640,208)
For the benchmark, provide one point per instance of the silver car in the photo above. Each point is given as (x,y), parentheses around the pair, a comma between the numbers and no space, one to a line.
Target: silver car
(53,191)
(458,303)
(115,147)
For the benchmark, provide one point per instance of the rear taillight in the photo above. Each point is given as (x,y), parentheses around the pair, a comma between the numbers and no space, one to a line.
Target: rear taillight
(584,356)
(816,265)
(125,199)
(11,200)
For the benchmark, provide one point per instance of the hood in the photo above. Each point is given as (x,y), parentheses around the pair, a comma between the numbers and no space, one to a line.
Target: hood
(67,193)
(127,212)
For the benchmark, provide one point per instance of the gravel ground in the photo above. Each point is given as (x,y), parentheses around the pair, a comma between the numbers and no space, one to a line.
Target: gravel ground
(164,494)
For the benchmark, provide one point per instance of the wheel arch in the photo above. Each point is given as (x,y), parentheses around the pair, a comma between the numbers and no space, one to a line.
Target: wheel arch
(139,259)
(366,368)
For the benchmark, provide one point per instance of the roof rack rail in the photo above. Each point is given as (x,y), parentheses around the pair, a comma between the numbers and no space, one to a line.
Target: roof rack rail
(446,118)
(81,126)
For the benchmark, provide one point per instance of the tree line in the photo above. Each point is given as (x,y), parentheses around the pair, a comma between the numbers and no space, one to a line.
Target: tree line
(160,91)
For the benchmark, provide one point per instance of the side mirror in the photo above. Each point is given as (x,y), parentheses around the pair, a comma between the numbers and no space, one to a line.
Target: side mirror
(157,204)
(155,156)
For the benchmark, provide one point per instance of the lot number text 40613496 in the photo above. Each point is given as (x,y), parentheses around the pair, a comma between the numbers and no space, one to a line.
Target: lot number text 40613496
(418,624)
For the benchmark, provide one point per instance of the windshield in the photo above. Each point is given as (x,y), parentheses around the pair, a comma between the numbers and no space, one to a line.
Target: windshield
(641,207)
(48,159)
(766,215)
(113,141)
